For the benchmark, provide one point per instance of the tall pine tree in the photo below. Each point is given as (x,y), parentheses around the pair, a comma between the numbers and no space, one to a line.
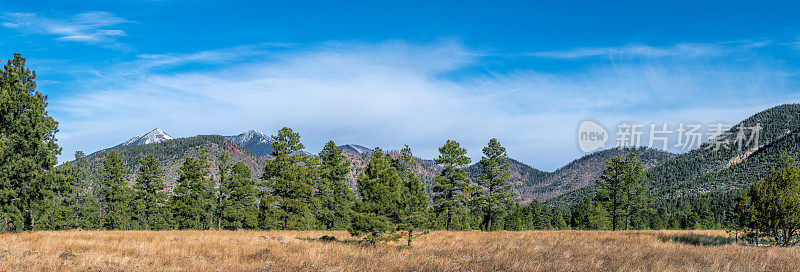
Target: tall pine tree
(27,145)
(453,184)
(148,189)
(114,193)
(223,167)
(239,193)
(622,189)
(288,180)
(495,189)
(85,208)
(335,197)
(192,199)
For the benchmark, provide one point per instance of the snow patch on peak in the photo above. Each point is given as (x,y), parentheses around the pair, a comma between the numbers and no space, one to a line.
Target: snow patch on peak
(152,137)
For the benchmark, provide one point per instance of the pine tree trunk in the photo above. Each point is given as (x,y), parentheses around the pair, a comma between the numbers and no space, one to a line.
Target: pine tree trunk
(219,208)
(614,215)
(449,219)
(410,236)
(627,220)
(76,213)
(489,222)
(33,220)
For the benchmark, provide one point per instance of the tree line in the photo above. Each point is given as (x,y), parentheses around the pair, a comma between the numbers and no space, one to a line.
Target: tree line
(300,191)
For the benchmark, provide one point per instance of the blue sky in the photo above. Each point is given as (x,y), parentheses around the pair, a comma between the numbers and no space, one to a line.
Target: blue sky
(388,74)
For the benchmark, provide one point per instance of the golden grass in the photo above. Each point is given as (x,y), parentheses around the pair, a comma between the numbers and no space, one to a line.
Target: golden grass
(438,251)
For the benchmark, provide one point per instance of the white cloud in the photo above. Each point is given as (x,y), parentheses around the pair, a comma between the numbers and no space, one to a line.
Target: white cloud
(681,50)
(395,93)
(88,27)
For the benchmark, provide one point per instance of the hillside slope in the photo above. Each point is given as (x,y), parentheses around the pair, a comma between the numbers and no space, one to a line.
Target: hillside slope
(172,153)
(587,169)
(706,170)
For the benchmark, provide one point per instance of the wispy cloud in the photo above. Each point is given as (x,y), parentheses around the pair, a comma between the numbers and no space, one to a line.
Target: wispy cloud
(688,50)
(88,27)
(238,53)
(394,93)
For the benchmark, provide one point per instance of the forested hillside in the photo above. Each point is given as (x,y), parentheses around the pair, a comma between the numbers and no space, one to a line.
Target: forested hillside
(709,176)
(587,169)
(172,153)
(704,162)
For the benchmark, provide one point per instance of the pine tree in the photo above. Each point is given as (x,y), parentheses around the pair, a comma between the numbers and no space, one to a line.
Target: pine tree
(393,199)
(192,199)
(557,220)
(60,207)
(637,199)
(239,199)
(495,192)
(612,189)
(148,190)
(27,145)
(540,216)
(288,179)
(223,166)
(114,193)
(336,198)
(72,205)
(622,189)
(453,184)
(414,200)
(590,215)
(379,188)
(84,205)
(772,206)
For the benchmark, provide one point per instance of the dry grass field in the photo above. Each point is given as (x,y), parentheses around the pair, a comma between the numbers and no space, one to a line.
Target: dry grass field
(437,251)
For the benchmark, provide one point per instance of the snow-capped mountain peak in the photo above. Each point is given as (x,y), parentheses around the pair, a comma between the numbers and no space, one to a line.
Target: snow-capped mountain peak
(152,137)
(355,149)
(256,142)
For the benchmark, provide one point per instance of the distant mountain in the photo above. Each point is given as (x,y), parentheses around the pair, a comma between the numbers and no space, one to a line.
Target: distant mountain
(172,153)
(355,149)
(256,142)
(706,170)
(586,170)
(358,162)
(522,176)
(152,137)
(531,183)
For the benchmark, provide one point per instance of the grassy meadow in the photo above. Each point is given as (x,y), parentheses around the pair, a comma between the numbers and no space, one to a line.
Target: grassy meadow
(437,251)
